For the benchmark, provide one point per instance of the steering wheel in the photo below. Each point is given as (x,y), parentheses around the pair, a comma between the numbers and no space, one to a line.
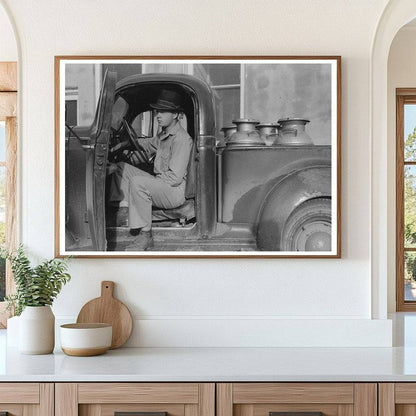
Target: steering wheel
(133,138)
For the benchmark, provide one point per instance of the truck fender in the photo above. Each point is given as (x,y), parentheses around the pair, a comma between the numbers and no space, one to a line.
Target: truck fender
(288,203)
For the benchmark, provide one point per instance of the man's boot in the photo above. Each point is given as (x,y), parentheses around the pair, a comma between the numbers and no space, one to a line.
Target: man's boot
(142,242)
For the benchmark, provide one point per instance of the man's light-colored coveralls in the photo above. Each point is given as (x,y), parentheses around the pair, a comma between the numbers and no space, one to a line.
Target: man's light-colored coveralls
(166,189)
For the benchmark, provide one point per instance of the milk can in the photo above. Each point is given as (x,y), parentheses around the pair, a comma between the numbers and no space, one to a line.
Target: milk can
(228,131)
(292,131)
(246,134)
(268,132)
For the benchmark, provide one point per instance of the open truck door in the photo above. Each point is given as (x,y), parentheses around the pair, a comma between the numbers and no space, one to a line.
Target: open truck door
(86,162)
(97,163)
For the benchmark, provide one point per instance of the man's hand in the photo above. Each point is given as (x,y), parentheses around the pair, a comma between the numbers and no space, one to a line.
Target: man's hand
(136,158)
(111,168)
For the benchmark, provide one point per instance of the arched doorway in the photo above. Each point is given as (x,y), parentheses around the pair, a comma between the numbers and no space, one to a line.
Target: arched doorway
(396,14)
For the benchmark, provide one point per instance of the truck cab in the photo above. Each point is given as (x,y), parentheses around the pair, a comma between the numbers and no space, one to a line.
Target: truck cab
(239,197)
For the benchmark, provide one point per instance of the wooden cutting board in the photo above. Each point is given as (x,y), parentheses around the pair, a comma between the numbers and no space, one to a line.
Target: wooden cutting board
(107,309)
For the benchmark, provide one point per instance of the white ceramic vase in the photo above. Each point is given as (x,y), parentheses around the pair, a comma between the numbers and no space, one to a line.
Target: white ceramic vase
(37,330)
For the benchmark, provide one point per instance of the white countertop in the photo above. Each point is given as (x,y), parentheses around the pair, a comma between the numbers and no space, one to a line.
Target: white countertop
(213,364)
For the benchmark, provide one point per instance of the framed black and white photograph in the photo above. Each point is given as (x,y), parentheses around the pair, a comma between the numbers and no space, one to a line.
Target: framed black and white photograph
(198,156)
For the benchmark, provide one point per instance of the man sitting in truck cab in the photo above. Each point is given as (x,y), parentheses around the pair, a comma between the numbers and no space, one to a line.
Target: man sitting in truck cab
(136,191)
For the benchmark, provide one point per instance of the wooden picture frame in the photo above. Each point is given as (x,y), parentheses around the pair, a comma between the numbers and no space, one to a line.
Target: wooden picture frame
(271,188)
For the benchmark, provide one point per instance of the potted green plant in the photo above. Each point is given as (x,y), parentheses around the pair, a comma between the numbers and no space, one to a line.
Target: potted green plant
(36,289)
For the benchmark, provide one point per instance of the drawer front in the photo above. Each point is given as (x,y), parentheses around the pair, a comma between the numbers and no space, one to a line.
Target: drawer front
(251,393)
(22,399)
(296,399)
(139,409)
(19,393)
(397,399)
(138,393)
(144,399)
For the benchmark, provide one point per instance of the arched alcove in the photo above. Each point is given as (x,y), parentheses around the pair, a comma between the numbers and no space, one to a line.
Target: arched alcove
(401,73)
(396,14)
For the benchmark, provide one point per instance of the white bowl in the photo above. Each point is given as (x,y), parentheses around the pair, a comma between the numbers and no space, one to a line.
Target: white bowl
(84,340)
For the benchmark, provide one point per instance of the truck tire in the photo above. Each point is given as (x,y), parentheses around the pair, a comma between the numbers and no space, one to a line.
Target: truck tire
(286,198)
(308,228)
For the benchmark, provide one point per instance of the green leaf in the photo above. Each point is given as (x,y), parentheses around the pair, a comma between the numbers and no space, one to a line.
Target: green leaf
(35,286)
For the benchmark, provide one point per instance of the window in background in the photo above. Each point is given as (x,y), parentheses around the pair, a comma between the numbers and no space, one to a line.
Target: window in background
(122,70)
(225,80)
(71,107)
(8,174)
(406,200)
(71,112)
(2,206)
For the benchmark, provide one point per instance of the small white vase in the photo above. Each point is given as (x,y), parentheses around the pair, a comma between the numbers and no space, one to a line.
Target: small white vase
(37,330)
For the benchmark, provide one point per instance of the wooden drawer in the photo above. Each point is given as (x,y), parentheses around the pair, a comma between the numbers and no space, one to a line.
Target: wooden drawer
(27,399)
(104,399)
(332,399)
(397,399)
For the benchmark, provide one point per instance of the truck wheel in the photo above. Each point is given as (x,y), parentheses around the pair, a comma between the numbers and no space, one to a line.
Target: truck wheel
(308,227)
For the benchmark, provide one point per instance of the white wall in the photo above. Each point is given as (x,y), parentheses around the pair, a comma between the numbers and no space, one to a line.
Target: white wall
(180,301)
(8,46)
(401,74)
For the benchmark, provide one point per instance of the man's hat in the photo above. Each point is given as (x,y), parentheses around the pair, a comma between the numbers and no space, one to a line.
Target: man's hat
(168,101)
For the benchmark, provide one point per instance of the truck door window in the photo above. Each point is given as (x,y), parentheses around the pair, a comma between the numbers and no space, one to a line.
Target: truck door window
(145,124)
(119,111)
